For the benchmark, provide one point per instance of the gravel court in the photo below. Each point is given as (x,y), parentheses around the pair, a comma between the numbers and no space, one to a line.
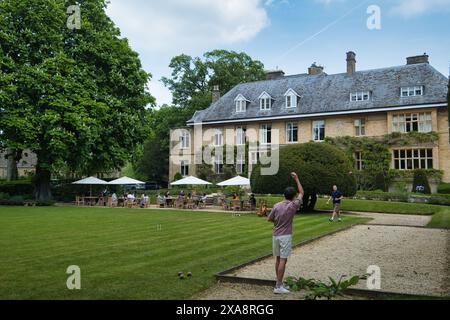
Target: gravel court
(412,260)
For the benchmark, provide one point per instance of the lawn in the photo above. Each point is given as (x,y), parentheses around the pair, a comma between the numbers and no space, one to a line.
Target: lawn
(130,253)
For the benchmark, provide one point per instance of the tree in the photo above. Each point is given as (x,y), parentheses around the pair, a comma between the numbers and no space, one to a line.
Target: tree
(448,107)
(191,84)
(76,98)
(319,166)
(194,78)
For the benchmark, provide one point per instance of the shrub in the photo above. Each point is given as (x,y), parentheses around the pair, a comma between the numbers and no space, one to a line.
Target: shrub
(319,167)
(421,183)
(444,188)
(17,188)
(178,176)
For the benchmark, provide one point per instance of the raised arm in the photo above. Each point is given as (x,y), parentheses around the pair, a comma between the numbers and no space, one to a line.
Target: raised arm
(301,192)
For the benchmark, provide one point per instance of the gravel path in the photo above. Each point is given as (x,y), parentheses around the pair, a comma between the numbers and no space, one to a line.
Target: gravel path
(396,219)
(412,260)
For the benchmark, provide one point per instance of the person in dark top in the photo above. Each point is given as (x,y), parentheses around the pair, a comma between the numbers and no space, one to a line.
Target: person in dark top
(337,197)
(252,200)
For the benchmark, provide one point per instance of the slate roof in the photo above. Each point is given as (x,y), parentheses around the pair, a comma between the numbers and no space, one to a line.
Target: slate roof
(331,93)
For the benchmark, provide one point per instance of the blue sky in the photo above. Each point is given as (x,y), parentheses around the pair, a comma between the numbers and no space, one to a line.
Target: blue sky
(288,34)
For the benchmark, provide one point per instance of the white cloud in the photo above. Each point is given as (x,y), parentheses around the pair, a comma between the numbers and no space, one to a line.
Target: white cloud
(162,26)
(411,8)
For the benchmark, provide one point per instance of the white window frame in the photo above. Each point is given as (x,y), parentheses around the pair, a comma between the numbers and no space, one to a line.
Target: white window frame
(359,162)
(265,130)
(291,138)
(422,120)
(241,136)
(240,163)
(218,137)
(413,91)
(184,168)
(241,104)
(360,96)
(360,127)
(293,96)
(185,139)
(317,126)
(265,102)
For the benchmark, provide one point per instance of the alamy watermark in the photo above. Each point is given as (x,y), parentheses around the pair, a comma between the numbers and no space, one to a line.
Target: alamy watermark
(74,280)
(374,19)
(374,277)
(74,19)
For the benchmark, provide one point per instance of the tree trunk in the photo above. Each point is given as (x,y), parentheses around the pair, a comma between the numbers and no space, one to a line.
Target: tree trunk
(42,184)
(12,172)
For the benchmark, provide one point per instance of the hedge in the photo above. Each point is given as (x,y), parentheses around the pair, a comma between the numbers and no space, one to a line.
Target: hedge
(438,199)
(17,188)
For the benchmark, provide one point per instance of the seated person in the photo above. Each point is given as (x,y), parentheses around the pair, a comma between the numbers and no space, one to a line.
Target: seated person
(131,196)
(203,199)
(182,195)
(144,200)
(236,197)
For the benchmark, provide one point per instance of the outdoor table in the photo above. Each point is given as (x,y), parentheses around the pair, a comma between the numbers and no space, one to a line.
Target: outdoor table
(90,200)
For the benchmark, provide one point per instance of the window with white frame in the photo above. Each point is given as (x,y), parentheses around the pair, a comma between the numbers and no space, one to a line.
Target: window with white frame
(291,99)
(218,163)
(185,139)
(184,168)
(241,136)
(265,101)
(266,134)
(240,163)
(292,132)
(241,106)
(360,127)
(408,122)
(319,130)
(411,159)
(358,161)
(360,96)
(218,137)
(411,91)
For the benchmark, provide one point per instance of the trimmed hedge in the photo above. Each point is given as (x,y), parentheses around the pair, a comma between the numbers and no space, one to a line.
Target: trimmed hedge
(444,188)
(319,166)
(438,199)
(17,188)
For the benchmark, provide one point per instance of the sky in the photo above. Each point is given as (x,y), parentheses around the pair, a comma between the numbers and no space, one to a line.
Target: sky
(285,34)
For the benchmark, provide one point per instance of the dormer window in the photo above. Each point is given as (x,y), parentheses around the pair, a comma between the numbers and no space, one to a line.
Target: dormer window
(411,91)
(360,96)
(291,99)
(241,104)
(265,101)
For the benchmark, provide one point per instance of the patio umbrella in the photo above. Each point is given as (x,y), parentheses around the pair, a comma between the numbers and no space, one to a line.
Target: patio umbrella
(91,181)
(125,181)
(190,181)
(236,181)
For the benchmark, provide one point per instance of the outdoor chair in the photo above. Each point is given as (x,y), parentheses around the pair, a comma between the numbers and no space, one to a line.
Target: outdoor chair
(79,201)
(190,204)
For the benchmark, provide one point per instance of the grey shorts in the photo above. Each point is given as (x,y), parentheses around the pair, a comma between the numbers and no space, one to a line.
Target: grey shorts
(337,207)
(282,246)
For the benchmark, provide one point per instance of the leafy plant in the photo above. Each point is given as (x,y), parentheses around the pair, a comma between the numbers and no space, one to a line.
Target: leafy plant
(319,289)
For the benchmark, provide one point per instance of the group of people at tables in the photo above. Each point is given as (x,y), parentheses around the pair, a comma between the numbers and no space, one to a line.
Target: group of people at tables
(166,200)
(192,200)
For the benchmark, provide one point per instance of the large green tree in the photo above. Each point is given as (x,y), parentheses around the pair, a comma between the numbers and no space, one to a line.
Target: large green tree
(76,98)
(191,85)
(193,78)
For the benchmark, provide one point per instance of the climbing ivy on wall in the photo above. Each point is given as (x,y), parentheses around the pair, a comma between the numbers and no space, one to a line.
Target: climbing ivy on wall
(376,155)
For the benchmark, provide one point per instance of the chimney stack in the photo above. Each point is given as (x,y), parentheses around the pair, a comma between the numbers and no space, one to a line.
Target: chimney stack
(351,63)
(315,69)
(274,74)
(418,59)
(215,94)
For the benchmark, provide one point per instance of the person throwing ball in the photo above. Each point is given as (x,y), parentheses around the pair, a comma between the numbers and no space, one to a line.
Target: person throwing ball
(282,216)
(337,197)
